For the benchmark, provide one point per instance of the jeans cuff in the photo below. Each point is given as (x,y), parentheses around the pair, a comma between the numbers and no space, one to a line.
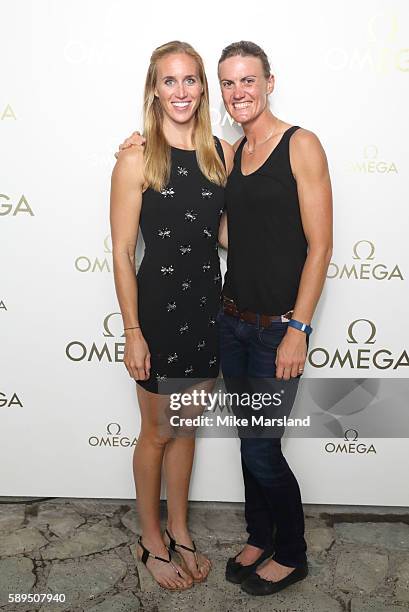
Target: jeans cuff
(259,543)
(288,562)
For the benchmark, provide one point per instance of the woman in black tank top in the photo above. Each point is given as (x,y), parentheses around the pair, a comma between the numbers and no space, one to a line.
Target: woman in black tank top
(278,202)
(263,213)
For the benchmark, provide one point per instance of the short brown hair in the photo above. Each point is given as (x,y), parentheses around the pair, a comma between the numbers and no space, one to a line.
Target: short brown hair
(246,48)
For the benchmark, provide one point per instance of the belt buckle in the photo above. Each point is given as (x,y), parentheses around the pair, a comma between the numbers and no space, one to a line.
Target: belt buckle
(287,316)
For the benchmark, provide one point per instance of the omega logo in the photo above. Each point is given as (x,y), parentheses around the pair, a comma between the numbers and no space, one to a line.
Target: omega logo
(22,206)
(349,446)
(6,402)
(79,351)
(113,438)
(360,332)
(88,264)
(364,252)
(7,113)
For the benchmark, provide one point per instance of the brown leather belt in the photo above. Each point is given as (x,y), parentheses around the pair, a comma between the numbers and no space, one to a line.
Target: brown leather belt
(230,308)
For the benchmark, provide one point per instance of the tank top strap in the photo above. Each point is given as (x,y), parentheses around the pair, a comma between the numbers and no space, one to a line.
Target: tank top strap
(289,132)
(237,155)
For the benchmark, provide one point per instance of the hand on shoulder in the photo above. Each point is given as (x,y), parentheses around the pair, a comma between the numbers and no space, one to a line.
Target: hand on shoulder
(129,165)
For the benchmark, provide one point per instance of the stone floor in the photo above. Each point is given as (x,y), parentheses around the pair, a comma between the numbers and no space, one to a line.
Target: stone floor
(358,557)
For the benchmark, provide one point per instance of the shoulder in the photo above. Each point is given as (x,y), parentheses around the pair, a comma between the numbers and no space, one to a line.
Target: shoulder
(304,141)
(129,165)
(306,151)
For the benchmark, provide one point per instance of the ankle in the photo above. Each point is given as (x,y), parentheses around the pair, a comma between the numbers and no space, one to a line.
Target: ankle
(153,542)
(178,529)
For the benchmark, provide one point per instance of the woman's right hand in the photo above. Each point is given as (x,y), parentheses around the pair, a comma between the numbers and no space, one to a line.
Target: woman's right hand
(135,139)
(137,357)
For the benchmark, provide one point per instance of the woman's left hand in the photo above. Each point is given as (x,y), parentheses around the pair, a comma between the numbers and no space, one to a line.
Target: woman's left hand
(291,354)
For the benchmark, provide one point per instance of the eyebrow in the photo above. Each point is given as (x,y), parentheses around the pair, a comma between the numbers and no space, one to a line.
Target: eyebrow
(248,76)
(188,76)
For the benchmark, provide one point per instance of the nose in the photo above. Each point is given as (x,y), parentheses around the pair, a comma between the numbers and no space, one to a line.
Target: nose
(238,92)
(181,90)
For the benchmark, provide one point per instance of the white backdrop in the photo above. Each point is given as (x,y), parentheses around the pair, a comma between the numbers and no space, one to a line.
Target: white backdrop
(72,78)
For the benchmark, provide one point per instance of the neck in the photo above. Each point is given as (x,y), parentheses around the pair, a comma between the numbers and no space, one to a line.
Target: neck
(258,129)
(179,134)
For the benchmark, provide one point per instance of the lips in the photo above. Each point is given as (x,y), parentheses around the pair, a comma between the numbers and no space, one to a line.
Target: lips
(241,105)
(181,105)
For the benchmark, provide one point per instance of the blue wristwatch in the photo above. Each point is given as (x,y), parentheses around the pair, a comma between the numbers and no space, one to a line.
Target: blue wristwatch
(301,326)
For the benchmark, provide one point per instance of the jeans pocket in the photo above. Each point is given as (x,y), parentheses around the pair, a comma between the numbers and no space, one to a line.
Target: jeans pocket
(271,336)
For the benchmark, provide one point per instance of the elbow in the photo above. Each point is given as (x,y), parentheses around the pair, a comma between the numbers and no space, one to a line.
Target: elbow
(321,253)
(121,257)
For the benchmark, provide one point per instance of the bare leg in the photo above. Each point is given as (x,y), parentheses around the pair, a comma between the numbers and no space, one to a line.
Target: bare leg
(178,461)
(147,464)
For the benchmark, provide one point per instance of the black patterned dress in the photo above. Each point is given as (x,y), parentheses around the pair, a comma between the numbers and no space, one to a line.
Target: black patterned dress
(179,280)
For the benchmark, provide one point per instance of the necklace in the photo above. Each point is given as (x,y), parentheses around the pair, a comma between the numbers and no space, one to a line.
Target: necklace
(258,143)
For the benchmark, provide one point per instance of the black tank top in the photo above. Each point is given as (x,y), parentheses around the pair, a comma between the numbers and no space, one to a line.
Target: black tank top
(267,244)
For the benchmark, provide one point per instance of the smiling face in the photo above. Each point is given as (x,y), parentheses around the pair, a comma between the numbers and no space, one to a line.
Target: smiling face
(178,86)
(244,87)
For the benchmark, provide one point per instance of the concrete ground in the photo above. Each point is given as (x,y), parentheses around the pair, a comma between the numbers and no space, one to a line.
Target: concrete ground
(84,548)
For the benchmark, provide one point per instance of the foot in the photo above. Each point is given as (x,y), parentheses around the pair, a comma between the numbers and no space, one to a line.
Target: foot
(271,577)
(273,571)
(240,567)
(249,554)
(164,573)
(195,564)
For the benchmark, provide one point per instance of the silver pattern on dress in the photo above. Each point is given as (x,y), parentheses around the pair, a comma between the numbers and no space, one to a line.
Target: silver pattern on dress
(216,278)
(211,322)
(185,248)
(206,193)
(161,377)
(203,301)
(183,328)
(206,266)
(189,370)
(172,358)
(168,191)
(212,361)
(186,284)
(190,215)
(164,232)
(207,232)
(170,306)
(201,344)
(182,171)
(166,270)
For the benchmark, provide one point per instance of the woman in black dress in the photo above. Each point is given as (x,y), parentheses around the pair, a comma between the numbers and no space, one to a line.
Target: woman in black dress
(173,188)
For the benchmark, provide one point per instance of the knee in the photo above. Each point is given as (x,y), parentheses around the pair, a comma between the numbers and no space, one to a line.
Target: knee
(155,438)
(263,458)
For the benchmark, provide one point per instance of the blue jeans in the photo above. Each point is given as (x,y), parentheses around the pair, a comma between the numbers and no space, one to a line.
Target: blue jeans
(273,507)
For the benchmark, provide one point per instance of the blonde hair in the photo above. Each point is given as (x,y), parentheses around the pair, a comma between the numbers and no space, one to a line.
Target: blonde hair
(157,162)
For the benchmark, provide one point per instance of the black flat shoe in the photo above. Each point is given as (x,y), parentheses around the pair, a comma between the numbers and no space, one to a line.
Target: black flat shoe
(236,572)
(255,585)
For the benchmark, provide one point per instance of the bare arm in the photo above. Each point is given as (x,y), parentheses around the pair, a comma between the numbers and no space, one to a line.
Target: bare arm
(126,199)
(228,151)
(310,168)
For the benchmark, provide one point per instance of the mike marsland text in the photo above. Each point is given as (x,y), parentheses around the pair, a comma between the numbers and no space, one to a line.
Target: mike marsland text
(233,421)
